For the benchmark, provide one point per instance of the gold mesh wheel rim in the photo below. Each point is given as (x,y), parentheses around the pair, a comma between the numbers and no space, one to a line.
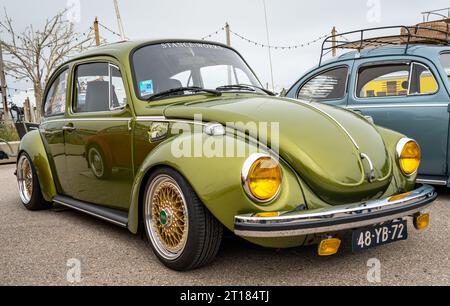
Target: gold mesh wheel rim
(166,217)
(25,179)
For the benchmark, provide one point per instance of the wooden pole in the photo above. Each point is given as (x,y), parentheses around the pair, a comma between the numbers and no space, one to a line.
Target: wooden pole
(119,20)
(227,34)
(333,41)
(228,40)
(3,85)
(97,32)
(27,110)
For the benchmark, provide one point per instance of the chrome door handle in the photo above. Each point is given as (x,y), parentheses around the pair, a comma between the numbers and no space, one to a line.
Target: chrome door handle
(68,128)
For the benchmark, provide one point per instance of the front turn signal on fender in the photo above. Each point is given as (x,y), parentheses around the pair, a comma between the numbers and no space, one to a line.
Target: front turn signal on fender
(409,156)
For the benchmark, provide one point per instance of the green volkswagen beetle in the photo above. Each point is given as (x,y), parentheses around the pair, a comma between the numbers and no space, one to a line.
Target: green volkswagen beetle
(177,139)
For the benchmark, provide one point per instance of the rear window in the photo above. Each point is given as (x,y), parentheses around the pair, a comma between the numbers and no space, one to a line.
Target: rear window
(445,61)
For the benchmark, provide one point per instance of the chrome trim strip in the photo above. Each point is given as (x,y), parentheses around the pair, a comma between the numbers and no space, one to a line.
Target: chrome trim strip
(336,122)
(91,213)
(393,105)
(337,218)
(88,119)
(432,182)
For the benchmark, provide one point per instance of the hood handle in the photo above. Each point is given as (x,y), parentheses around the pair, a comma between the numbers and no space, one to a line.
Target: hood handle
(371,177)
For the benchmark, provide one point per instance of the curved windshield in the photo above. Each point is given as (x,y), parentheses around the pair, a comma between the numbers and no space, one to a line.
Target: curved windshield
(162,67)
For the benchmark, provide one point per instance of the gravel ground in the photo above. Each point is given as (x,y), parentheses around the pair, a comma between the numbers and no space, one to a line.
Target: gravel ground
(36,247)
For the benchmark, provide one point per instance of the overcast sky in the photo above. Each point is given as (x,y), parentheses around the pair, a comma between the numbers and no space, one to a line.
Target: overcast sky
(290,22)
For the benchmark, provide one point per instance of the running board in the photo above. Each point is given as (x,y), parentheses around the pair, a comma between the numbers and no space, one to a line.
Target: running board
(114,216)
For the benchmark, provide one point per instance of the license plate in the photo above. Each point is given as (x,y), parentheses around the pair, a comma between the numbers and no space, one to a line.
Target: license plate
(385,233)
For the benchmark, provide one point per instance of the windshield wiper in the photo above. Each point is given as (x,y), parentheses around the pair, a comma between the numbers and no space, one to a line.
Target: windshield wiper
(194,89)
(245,87)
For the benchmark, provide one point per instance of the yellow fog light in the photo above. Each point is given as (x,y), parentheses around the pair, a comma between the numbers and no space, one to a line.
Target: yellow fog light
(421,221)
(267,214)
(409,155)
(329,246)
(261,177)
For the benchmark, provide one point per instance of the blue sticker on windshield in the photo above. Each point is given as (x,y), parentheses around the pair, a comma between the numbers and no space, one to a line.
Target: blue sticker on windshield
(146,87)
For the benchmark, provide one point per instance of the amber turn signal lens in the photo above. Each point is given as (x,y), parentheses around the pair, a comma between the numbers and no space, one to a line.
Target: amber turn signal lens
(267,214)
(421,221)
(264,179)
(328,247)
(409,156)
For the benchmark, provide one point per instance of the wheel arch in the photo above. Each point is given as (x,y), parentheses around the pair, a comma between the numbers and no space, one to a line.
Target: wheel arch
(33,145)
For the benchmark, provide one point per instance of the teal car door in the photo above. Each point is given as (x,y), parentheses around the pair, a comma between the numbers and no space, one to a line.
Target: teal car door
(407,96)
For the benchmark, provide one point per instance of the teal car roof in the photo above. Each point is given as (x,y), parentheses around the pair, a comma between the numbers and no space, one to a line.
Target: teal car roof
(413,50)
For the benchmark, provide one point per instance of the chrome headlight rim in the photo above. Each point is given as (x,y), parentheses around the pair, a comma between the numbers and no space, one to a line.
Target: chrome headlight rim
(398,153)
(245,174)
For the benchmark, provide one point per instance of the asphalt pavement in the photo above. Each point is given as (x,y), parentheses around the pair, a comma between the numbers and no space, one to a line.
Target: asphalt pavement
(43,248)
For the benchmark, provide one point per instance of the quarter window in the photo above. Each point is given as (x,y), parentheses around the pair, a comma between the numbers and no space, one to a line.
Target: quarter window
(394,80)
(445,61)
(325,86)
(55,101)
(98,87)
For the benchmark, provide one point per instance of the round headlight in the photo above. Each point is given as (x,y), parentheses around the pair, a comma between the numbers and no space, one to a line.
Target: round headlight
(409,155)
(261,177)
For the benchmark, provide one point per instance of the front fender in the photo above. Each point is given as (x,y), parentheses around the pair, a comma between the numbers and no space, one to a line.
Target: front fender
(32,144)
(216,181)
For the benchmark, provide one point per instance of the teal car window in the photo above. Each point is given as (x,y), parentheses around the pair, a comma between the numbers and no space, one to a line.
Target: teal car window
(98,87)
(445,61)
(395,80)
(166,66)
(55,101)
(330,84)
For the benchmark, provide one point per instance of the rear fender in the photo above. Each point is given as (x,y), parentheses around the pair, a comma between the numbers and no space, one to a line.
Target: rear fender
(32,145)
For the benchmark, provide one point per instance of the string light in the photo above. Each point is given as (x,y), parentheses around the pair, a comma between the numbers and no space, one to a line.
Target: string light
(109,30)
(252,42)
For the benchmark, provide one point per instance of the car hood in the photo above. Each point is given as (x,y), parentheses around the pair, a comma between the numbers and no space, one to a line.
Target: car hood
(322,143)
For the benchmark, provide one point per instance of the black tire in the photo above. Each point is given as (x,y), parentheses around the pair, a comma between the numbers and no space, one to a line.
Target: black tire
(203,232)
(35,200)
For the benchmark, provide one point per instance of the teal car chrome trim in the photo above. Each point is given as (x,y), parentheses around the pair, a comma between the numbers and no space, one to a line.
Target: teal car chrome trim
(392,105)
(325,220)
(432,182)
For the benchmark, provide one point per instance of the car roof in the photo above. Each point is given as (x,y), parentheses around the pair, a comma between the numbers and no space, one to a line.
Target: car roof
(124,48)
(424,50)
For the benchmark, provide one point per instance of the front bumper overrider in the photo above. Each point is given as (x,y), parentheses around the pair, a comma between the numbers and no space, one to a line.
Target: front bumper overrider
(336,218)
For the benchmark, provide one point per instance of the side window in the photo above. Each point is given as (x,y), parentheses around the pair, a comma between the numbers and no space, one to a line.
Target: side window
(325,86)
(422,81)
(383,80)
(445,62)
(98,87)
(55,101)
(394,80)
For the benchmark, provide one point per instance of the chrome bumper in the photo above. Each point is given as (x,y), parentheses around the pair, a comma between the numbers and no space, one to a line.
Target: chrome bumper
(336,218)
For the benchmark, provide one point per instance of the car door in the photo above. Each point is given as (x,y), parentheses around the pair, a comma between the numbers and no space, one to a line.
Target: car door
(406,96)
(329,85)
(54,109)
(97,137)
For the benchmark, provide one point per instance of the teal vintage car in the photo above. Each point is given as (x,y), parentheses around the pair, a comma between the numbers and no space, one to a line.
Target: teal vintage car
(176,138)
(400,81)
